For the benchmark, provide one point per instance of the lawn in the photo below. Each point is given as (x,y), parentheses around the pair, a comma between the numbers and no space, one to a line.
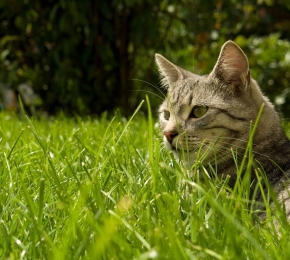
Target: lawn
(105,188)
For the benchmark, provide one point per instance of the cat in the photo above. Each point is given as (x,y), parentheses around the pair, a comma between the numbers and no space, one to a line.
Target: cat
(212,114)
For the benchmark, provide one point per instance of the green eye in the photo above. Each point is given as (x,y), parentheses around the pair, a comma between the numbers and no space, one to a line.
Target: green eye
(166,114)
(198,111)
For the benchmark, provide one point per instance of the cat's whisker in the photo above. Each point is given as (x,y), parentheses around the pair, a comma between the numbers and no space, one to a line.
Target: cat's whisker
(216,155)
(152,69)
(147,91)
(240,140)
(152,85)
(242,148)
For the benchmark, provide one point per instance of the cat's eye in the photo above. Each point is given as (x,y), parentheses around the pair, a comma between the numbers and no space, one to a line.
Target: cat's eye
(166,114)
(198,111)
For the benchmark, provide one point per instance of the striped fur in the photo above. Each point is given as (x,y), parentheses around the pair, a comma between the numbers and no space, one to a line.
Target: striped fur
(233,99)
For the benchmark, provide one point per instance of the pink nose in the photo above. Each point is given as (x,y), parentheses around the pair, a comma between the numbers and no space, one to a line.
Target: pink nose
(170,135)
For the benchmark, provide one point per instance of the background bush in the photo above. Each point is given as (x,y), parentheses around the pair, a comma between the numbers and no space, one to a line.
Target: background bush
(81,56)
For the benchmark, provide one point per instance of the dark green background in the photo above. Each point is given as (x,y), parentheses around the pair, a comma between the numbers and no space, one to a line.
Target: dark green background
(80,56)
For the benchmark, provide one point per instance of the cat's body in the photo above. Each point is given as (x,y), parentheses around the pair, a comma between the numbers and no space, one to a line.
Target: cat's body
(212,115)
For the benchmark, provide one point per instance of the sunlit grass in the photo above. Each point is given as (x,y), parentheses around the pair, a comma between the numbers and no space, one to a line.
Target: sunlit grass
(106,189)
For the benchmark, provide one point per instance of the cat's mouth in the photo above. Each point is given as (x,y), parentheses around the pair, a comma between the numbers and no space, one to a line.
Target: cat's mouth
(173,147)
(180,146)
(183,144)
(181,149)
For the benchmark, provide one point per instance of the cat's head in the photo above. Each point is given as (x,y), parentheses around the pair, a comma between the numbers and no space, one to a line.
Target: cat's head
(209,114)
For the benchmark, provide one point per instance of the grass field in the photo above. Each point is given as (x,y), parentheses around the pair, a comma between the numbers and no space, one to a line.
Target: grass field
(106,189)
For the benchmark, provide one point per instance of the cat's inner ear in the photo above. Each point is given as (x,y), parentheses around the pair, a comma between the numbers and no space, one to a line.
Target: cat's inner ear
(232,67)
(169,72)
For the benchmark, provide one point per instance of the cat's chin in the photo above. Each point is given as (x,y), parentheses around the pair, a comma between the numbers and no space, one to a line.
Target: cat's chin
(174,148)
(168,145)
(187,156)
(190,157)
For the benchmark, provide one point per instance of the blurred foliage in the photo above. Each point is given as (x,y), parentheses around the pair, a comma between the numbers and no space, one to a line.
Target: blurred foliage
(81,56)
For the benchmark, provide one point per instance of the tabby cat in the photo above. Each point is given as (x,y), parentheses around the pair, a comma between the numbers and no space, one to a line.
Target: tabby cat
(212,114)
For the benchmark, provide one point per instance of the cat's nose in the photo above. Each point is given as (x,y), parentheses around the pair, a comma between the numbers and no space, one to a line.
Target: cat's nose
(170,135)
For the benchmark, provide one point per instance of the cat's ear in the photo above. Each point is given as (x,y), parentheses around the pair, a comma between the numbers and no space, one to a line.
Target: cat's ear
(169,72)
(232,67)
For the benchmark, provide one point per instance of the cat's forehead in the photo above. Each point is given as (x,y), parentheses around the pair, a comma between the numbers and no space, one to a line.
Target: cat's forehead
(193,90)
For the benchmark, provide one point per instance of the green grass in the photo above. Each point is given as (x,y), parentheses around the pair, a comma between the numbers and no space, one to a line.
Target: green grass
(107,189)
